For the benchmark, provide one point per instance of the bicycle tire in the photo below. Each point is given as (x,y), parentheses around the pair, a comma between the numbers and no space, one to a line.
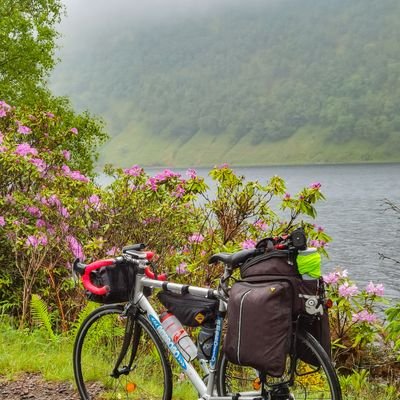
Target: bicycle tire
(319,383)
(97,347)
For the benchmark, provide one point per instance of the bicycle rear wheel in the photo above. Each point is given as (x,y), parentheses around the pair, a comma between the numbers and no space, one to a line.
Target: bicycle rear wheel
(310,382)
(144,372)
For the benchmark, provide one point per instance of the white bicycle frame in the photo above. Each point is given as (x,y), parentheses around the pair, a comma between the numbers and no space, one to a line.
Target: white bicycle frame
(206,392)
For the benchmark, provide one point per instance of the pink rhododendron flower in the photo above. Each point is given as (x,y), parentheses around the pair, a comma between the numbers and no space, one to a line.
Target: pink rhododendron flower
(24,149)
(32,241)
(66,169)
(39,164)
(377,290)
(2,221)
(24,129)
(74,131)
(179,192)
(191,173)
(196,238)
(166,174)
(331,278)
(317,243)
(248,244)
(345,290)
(364,316)
(315,185)
(223,166)
(63,212)
(133,171)
(94,199)
(66,154)
(40,223)
(261,225)
(34,211)
(1,138)
(43,240)
(3,149)
(152,183)
(78,176)
(50,115)
(286,196)
(75,175)
(75,247)
(181,268)
(4,108)
(53,200)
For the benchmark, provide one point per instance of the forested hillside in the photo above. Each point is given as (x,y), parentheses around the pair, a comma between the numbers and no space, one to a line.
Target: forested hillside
(249,83)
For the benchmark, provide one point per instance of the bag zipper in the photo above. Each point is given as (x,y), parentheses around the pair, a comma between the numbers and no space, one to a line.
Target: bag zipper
(240,323)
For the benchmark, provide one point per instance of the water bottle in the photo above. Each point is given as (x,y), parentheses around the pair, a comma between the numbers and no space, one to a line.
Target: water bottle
(178,335)
(205,341)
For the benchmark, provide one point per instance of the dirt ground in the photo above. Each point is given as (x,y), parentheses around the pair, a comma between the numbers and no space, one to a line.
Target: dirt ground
(33,387)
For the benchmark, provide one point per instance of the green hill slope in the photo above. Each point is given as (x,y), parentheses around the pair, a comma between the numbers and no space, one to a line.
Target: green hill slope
(288,81)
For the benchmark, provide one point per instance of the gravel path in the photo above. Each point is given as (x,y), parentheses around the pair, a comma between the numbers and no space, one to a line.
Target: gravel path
(33,387)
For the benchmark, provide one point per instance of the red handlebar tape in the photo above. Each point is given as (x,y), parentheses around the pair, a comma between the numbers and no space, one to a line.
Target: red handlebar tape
(101,291)
(87,283)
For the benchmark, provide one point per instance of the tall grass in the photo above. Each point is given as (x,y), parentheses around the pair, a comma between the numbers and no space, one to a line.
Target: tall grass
(25,351)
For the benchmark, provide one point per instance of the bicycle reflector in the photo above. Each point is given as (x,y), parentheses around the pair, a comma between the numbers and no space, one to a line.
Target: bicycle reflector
(257,384)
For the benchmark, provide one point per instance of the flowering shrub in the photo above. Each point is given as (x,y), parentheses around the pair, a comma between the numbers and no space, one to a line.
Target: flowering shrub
(358,330)
(41,196)
(51,212)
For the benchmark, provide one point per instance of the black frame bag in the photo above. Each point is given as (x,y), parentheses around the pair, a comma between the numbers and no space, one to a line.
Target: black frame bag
(189,309)
(120,280)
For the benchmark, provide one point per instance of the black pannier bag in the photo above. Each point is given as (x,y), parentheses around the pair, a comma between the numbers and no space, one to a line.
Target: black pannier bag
(271,326)
(120,279)
(259,325)
(189,309)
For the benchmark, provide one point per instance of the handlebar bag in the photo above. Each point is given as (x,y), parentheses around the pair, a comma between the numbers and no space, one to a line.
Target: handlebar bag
(189,309)
(120,279)
(260,325)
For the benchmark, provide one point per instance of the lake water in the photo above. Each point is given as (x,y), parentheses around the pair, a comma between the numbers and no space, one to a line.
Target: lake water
(354,215)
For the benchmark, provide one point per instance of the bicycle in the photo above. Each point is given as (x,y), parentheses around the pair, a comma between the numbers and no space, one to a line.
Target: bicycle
(121,351)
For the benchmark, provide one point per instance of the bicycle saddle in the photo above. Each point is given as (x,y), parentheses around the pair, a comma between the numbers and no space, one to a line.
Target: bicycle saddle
(233,259)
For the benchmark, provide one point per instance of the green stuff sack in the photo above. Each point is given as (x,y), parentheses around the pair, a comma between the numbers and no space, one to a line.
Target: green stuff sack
(309,263)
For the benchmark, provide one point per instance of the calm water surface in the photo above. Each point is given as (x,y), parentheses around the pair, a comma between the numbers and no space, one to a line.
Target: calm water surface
(354,215)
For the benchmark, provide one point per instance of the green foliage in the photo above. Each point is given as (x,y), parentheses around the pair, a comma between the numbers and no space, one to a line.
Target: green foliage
(250,84)
(41,315)
(360,338)
(393,327)
(360,385)
(27,43)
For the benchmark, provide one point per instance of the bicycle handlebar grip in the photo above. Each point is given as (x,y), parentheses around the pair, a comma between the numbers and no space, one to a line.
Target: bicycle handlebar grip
(87,283)
(151,275)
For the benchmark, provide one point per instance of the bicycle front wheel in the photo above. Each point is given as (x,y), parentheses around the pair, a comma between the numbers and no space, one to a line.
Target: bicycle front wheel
(310,382)
(144,371)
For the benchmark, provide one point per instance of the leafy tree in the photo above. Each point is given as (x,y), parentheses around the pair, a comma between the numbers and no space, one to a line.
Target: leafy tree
(27,44)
